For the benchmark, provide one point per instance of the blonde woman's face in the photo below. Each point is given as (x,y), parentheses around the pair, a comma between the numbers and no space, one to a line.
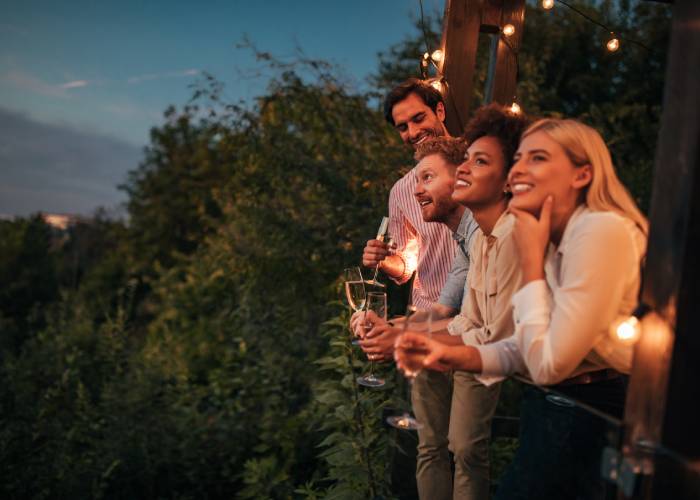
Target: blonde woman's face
(543,168)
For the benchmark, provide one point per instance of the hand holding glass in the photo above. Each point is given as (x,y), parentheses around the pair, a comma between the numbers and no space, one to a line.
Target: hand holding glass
(376,302)
(412,368)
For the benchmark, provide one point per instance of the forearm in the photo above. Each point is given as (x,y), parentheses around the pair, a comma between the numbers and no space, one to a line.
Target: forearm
(463,357)
(445,338)
(394,267)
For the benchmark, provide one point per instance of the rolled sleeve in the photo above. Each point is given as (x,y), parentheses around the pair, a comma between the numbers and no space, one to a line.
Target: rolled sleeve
(499,360)
(531,304)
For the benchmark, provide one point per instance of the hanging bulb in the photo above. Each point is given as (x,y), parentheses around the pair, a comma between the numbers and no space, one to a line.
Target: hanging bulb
(437,85)
(547,4)
(515,108)
(437,56)
(508,29)
(613,44)
(628,329)
(424,66)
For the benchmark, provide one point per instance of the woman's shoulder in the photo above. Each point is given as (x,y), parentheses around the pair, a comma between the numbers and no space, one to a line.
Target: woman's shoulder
(609,226)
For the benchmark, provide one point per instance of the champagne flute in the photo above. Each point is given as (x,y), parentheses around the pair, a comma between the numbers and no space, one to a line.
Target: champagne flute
(355,291)
(383,236)
(420,321)
(376,302)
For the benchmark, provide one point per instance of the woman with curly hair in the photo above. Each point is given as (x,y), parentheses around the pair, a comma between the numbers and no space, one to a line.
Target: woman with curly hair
(570,210)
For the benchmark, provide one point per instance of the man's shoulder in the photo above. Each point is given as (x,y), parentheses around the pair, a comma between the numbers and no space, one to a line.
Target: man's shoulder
(407,180)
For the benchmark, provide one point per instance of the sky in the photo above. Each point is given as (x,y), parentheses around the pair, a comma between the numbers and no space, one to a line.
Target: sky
(82,82)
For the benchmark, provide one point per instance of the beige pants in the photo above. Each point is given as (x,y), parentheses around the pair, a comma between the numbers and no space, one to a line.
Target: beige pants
(456,411)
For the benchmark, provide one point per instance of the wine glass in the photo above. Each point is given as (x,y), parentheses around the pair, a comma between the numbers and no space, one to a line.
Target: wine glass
(384,236)
(355,291)
(420,321)
(376,302)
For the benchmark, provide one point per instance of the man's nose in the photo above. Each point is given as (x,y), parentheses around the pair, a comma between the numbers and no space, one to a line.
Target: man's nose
(418,189)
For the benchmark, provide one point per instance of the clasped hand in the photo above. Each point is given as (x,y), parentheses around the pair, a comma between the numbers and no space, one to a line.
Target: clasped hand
(377,342)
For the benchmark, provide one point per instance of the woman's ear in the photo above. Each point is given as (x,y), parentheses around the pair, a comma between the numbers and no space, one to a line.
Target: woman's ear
(583,176)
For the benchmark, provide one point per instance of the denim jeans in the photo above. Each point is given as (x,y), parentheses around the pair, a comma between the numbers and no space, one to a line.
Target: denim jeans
(561,445)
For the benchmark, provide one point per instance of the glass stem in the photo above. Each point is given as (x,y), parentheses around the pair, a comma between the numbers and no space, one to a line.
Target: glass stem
(376,272)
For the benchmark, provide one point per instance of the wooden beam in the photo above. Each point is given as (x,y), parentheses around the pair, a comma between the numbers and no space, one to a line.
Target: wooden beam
(460,35)
(505,79)
(463,21)
(667,369)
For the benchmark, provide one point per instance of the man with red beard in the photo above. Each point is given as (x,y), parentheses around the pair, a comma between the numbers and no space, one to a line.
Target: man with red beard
(417,112)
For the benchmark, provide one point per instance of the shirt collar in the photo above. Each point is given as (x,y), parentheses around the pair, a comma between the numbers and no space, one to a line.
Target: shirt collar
(580,210)
(504,225)
(462,232)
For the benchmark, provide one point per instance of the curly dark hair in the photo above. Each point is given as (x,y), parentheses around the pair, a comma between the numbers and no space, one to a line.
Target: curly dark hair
(430,96)
(495,120)
(452,149)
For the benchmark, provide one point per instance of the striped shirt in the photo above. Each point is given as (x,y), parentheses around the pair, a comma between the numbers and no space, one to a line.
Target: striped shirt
(425,247)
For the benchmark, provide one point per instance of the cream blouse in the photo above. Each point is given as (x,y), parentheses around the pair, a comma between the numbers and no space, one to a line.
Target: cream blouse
(562,322)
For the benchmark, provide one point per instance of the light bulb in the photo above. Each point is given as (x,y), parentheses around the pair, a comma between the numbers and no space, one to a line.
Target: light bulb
(437,56)
(508,29)
(515,108)
(626,330)
(613,44)
(437,85)
(547,4)
(426,56)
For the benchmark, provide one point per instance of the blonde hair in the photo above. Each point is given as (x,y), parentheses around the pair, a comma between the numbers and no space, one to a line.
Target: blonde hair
(584,146)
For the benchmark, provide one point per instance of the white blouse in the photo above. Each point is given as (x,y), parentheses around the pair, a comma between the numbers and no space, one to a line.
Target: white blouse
(562,322)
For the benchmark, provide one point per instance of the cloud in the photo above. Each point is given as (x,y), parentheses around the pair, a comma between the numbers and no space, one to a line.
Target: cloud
(56,168)
(25,81)
(158,76)
(74,84)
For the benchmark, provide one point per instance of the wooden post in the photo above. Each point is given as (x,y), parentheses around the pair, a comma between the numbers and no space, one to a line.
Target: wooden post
(663,404)
(460,36)
(506,74)
(463,21)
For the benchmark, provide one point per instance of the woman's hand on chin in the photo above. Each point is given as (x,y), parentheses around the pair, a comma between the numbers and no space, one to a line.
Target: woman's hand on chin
(532,236)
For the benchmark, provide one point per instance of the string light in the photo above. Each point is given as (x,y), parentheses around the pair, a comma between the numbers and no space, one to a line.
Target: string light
(437,56)
(437,84)
(508,29)
(515,108)
(628,329)
(613,44)
(424,66)
(547,4)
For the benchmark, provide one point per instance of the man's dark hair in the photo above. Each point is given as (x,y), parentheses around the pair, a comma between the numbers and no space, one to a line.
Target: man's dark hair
(430,96)
(494,120)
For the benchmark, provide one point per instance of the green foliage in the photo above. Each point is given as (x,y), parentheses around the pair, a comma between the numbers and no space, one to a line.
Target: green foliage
(200,350)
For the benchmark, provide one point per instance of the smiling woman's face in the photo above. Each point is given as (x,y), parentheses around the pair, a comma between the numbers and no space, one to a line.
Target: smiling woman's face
(543,168)
(481,178)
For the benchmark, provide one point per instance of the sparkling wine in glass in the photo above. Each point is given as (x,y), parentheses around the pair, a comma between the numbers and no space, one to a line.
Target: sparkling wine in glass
(420,321)
(355,291)
(376,302)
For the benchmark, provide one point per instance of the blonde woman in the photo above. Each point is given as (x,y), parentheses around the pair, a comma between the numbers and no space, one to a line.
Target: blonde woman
(580,240)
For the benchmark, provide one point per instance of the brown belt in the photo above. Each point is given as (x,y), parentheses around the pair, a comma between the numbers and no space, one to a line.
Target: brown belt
(591,377)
